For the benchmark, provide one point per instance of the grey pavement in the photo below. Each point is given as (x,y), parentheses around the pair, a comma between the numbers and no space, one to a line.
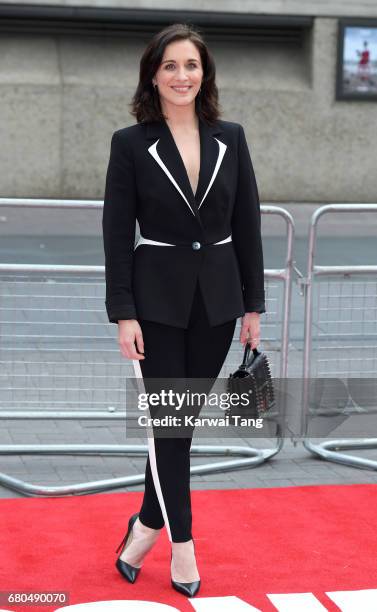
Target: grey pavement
(293,465)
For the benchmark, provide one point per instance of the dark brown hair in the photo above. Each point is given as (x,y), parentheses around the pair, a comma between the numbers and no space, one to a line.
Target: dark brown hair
(145,105)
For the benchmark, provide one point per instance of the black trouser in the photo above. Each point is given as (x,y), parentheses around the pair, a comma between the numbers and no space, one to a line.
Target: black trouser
(170,352)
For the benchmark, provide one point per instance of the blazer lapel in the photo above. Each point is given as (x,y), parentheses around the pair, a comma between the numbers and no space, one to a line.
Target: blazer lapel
(211,154)
(166,154)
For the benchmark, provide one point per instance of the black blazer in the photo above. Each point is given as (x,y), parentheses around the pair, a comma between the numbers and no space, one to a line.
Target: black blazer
(147,180)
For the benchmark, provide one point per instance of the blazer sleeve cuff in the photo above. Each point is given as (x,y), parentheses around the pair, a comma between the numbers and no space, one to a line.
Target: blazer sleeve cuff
(120,312)
(255,305)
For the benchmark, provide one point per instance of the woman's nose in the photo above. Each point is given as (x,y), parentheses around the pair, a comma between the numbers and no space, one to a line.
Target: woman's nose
(182,74)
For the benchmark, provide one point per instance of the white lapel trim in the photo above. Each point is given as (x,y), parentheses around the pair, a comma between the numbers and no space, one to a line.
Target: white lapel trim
(153,151)
(222,149)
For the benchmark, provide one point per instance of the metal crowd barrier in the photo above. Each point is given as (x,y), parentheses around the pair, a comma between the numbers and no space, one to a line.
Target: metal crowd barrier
(59,358)
(340,333)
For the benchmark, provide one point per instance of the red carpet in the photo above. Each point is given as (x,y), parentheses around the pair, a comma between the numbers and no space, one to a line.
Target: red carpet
(249,543)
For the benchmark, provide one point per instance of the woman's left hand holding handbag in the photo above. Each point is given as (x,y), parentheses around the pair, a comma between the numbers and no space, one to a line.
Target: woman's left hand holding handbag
(250,329)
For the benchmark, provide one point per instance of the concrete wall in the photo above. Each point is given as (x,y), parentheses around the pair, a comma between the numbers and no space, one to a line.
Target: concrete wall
(329,8)
(63,96)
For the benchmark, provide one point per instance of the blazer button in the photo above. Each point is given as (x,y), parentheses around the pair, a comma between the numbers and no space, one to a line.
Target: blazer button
(196,245)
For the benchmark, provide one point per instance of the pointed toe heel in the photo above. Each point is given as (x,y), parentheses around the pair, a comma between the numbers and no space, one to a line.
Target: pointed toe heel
(129,572)
(190,589)
(186,588)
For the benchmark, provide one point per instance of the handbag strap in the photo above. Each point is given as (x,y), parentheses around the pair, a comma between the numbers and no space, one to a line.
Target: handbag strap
(247,353)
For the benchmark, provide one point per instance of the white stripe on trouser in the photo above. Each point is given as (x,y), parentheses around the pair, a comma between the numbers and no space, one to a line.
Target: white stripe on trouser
(143,240)
(152,451)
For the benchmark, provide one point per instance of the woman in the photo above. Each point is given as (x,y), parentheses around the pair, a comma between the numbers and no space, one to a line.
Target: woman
(187,177)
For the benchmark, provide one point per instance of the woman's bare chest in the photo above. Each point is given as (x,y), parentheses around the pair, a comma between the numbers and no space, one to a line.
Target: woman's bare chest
(189,149)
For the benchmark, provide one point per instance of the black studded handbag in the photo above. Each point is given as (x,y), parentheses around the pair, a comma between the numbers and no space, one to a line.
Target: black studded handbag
(253,383)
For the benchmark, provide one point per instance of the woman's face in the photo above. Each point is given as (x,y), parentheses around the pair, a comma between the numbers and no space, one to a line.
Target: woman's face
(180,74)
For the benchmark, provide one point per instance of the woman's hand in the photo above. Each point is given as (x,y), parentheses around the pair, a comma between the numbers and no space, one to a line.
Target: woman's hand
(129,332)
(250,329)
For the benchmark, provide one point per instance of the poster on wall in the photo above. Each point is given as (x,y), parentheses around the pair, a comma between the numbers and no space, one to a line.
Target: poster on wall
(357,60)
